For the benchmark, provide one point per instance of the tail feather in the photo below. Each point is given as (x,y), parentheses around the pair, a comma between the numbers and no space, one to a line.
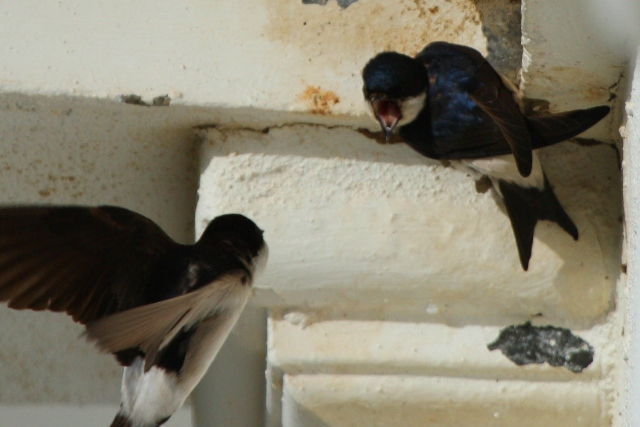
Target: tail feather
(548,130)
(121,421)
(525,206)
(556,213)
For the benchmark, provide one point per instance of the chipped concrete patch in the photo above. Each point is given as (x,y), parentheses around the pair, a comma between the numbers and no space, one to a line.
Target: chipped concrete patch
(133,99)
(526,344)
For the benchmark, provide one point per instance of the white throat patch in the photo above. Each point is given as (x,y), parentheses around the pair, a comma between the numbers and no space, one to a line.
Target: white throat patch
(411,107)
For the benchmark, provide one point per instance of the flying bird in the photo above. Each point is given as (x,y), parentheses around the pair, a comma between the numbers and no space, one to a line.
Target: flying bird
(449,103)
(161,308)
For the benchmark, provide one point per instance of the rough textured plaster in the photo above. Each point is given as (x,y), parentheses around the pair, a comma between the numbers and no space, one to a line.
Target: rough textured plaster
(377,401)
(196,54)
(410,348)
(390,232)
(65,151)
(566,61)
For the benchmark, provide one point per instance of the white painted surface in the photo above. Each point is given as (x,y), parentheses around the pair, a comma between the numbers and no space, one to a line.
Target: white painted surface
(232,393)
(356,229)
(414,401)
(630,383)
(412,348)
(359,227)
(260,54)
(566,60)
(65,151)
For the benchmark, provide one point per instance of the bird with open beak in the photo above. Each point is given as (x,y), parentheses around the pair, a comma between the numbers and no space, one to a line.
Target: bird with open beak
(161,308)
(449,103)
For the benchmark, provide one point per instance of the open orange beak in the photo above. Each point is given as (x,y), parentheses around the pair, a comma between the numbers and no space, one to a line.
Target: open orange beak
(388,114)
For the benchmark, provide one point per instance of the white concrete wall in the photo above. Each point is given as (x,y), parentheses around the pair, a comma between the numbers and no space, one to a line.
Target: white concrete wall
(73,151)
(630,382)
(389,274)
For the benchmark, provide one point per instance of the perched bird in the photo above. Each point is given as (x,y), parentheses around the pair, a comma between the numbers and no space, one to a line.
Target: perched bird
(448,103)
(162,308)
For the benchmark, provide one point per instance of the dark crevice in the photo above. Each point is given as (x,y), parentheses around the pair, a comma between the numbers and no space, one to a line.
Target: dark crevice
(526,344)
(158,101)
(501,25)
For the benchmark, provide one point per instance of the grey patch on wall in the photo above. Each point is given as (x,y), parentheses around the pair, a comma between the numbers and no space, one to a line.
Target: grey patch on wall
(342,3)
(526,344)
(158,101)
(501,25)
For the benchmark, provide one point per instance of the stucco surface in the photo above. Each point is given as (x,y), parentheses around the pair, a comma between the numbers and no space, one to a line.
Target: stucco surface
(388,231)
(368,401)
(631,292)
(570,59)
(403,251)
(63,151)
(415,348)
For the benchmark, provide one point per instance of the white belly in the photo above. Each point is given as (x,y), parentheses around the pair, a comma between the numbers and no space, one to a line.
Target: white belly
(149,397)
(504,168)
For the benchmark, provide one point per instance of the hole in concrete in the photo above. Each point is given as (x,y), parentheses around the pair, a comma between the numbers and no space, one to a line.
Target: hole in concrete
(526,344)
(158,101)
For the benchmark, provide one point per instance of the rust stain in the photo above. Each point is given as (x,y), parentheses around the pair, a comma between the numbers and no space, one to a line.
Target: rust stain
(597,93)
(319,101)
(419,5)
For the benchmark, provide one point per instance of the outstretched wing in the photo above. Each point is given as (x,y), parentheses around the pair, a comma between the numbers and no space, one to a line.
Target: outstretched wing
(87,262)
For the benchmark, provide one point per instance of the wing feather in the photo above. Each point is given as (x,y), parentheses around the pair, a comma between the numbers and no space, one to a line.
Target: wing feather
(152,327)
(88,262)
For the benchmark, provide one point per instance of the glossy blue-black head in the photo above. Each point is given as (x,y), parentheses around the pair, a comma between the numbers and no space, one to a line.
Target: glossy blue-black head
(394,75)
(390,79)
(238,230)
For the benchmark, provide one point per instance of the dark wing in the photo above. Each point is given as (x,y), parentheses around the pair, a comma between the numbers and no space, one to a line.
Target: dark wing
(484,139)
(87,262)
(494,98)
(548,130)
(473,74)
